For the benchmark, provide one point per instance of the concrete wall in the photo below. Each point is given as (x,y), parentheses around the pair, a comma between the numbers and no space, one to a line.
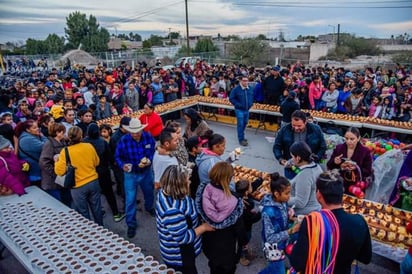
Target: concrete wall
(318,50)
(396,47)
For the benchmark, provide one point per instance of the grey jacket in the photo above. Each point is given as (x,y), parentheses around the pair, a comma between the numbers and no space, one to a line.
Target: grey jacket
(303,195)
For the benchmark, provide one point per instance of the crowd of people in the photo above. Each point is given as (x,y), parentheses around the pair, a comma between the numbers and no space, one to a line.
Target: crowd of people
(186,181)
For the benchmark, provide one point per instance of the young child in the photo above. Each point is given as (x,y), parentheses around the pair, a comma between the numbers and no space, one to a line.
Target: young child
(218,202)
(106,132)
(221,94)
(13,174)
(250,215)
(406,105)
(388,111)
(206,90)
(57,110)
(275,217)
(375,107)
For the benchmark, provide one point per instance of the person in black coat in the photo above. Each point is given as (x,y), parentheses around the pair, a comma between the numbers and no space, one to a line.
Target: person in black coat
(288,107)
(106,159)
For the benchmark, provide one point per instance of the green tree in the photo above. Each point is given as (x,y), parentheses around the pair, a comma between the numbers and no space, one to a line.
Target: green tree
(135,37)
(183,52)
(85,32)
(205,45)
(351,46)
(261,37)
(54,44)
(249,51)
(232,38)
(154,40)
(35,46)
(174,35)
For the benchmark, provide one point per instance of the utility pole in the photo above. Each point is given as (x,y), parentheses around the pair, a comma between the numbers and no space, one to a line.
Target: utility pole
(338,40)
(187,30)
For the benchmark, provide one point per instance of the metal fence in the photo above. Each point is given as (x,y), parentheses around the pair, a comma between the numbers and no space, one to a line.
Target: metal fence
(133,57)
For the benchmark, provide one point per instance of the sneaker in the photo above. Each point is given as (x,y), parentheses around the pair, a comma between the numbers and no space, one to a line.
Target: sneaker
(151,212)
(131,232)
(118,217)
(244,261)
(243,143)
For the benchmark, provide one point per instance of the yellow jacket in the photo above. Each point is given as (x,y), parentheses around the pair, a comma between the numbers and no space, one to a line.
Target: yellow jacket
(84,158)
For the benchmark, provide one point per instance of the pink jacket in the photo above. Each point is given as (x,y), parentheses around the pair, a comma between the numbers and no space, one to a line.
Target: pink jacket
(315,92)
(11,174)
(216,205)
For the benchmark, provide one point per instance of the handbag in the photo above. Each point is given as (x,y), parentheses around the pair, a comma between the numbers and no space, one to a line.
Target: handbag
(68,179)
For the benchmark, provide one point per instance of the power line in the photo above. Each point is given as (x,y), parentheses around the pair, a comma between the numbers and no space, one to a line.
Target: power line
(143,14)
(327,5)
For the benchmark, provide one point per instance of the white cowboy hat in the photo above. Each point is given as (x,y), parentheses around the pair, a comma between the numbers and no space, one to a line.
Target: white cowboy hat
(134,126)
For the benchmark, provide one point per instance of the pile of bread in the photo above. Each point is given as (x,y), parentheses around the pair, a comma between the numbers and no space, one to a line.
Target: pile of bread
(386,223)
(316,114)
(224,101)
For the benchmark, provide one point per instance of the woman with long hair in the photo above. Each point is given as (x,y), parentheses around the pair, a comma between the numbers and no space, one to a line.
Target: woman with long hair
(222,209)
(355,156)
(195,125)
(53,146)
(211,154)
(177,221)
(30,145)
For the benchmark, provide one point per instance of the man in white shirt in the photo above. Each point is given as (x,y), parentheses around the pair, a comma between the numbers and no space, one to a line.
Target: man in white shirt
(163,158)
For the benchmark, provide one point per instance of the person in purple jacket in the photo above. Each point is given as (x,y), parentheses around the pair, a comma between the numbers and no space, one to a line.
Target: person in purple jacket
(12,173)
(352,151)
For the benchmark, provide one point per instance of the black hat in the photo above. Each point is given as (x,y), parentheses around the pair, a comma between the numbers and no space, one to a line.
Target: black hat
(195,141)
(125,121)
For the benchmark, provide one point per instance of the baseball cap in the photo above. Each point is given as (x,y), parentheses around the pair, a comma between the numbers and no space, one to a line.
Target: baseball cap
(276,68)
(195,141)
(125,121)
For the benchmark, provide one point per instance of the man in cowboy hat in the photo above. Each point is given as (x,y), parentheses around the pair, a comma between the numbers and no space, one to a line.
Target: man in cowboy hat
(134,154)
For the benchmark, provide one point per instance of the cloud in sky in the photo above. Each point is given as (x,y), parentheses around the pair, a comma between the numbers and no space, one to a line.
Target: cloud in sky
(378,18)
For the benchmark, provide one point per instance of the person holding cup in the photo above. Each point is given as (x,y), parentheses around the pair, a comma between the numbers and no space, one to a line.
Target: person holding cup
(134,154)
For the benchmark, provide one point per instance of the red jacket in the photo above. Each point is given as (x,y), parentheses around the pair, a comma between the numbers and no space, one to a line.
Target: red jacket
(154,123)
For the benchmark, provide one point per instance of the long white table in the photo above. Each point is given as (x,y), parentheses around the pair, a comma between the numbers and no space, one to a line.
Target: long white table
(36,196)
(45,235)
(319,119)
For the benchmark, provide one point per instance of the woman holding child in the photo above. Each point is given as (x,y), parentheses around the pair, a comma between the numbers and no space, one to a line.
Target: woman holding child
(222,209)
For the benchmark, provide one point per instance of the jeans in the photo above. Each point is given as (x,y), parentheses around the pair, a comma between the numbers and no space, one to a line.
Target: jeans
(274,268)
(85,196)
(242,117)
(131,181)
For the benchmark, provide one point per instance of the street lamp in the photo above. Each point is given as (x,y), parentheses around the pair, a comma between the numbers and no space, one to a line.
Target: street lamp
(333,34)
